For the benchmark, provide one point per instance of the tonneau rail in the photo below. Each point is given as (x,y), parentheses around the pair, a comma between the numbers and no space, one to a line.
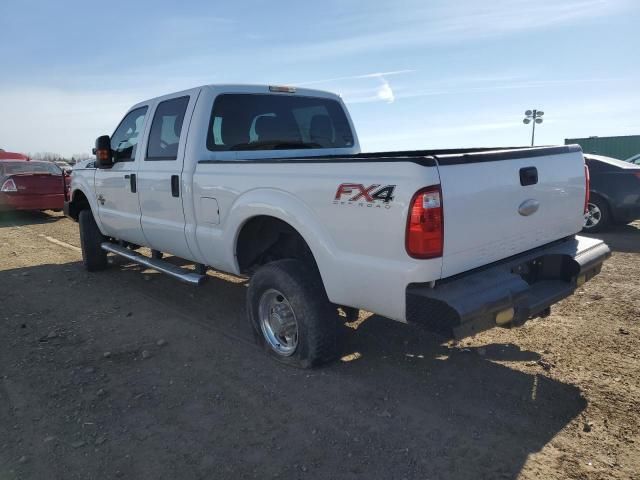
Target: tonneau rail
(426,158)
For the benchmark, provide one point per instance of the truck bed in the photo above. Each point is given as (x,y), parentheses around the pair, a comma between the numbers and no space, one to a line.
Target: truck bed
(483,194)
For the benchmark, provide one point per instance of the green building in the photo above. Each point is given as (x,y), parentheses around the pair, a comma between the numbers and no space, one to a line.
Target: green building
(622,147)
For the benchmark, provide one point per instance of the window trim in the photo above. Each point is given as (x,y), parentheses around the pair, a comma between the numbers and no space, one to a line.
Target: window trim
(146,110)
(210,138)
(165,158)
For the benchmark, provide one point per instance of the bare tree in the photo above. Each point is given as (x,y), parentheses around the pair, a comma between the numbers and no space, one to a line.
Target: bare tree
(45,156)
(78,157)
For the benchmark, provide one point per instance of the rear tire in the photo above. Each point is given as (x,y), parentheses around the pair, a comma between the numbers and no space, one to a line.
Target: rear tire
(598,216)
(291,315)
(93,257)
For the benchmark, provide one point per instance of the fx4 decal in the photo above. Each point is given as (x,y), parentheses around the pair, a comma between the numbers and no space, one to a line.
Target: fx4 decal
(358,194)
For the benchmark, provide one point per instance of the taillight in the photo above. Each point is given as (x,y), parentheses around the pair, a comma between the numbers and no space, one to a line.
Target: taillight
(637,174)
(9,186)
(587,186)
(425,226)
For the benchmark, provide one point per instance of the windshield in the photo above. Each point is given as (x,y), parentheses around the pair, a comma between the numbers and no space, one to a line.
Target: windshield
(275,122)
(16,168)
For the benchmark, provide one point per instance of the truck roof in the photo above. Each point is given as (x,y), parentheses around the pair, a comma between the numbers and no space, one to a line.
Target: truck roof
(247,88)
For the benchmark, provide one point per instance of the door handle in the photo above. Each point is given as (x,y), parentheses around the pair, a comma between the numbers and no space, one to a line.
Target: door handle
(175,185)
(132,181)
(528,176)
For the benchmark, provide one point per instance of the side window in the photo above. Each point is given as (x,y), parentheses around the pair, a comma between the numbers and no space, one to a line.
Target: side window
(166,128)
(54,169)
(124,141)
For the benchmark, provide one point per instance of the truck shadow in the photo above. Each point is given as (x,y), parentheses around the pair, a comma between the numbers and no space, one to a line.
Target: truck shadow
(400,403)
(378,336)
(621,238)
(18,218)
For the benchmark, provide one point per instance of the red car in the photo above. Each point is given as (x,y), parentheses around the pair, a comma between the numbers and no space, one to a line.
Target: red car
(4,155)
(32,185)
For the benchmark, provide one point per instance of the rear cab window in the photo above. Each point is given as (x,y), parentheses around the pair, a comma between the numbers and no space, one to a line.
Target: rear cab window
(17,168)
(277,122)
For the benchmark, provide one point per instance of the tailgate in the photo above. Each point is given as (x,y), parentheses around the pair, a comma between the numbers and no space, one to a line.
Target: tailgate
(38,184)
(495,207)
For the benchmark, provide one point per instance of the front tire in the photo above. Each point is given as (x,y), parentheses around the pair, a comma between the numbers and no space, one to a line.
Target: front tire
(291,314)
(597,217)
(93,257)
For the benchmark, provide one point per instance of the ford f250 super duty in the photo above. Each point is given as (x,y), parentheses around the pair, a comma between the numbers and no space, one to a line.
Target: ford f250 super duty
(268,182)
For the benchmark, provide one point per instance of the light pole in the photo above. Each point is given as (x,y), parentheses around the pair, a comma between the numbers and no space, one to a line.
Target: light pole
(533,116)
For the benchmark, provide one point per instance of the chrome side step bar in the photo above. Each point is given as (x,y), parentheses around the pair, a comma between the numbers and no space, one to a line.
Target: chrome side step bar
(163,266)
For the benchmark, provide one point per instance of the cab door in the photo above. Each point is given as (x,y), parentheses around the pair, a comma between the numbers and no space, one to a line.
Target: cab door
(115,187)
(160,188)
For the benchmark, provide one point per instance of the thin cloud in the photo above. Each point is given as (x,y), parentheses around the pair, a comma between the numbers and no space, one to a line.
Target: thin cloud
(453,86)
(513,85)
(355,77)
(456,23)
(385,93)
(379,93)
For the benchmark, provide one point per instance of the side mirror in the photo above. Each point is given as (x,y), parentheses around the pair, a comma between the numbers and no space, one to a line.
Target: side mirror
(104,155)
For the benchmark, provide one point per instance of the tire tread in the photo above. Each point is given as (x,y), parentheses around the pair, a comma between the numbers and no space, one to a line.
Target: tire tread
(319,344)
(93,257)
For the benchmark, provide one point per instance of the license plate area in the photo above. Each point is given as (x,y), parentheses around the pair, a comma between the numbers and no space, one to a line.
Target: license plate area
(548,267)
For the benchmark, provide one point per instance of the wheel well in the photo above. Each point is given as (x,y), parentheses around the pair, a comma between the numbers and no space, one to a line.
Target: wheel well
(78,203)
(597,195)
(264,239)
(608,205)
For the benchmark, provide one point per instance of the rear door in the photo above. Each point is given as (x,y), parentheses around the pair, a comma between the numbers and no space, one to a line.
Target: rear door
(160,176)
(497,205)
(115,187)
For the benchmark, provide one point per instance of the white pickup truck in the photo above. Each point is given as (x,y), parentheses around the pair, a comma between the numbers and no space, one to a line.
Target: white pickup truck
(268,182)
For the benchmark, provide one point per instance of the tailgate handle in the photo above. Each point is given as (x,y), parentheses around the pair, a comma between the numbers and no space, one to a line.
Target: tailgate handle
(528,176)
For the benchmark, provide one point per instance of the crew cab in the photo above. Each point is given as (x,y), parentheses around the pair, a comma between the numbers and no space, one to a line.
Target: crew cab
(269,182)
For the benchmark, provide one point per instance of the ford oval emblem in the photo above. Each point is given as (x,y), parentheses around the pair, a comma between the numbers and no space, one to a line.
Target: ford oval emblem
(528,207)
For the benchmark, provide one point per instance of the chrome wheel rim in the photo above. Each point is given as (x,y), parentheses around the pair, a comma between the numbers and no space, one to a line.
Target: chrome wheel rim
(278,322)
(593,216)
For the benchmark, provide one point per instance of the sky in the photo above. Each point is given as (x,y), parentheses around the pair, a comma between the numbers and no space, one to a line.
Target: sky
(414,73)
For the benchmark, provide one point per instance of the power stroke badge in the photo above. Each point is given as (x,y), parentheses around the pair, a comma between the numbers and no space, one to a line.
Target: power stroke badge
(357,194)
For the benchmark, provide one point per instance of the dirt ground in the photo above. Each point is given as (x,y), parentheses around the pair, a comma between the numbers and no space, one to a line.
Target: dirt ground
(129,374)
